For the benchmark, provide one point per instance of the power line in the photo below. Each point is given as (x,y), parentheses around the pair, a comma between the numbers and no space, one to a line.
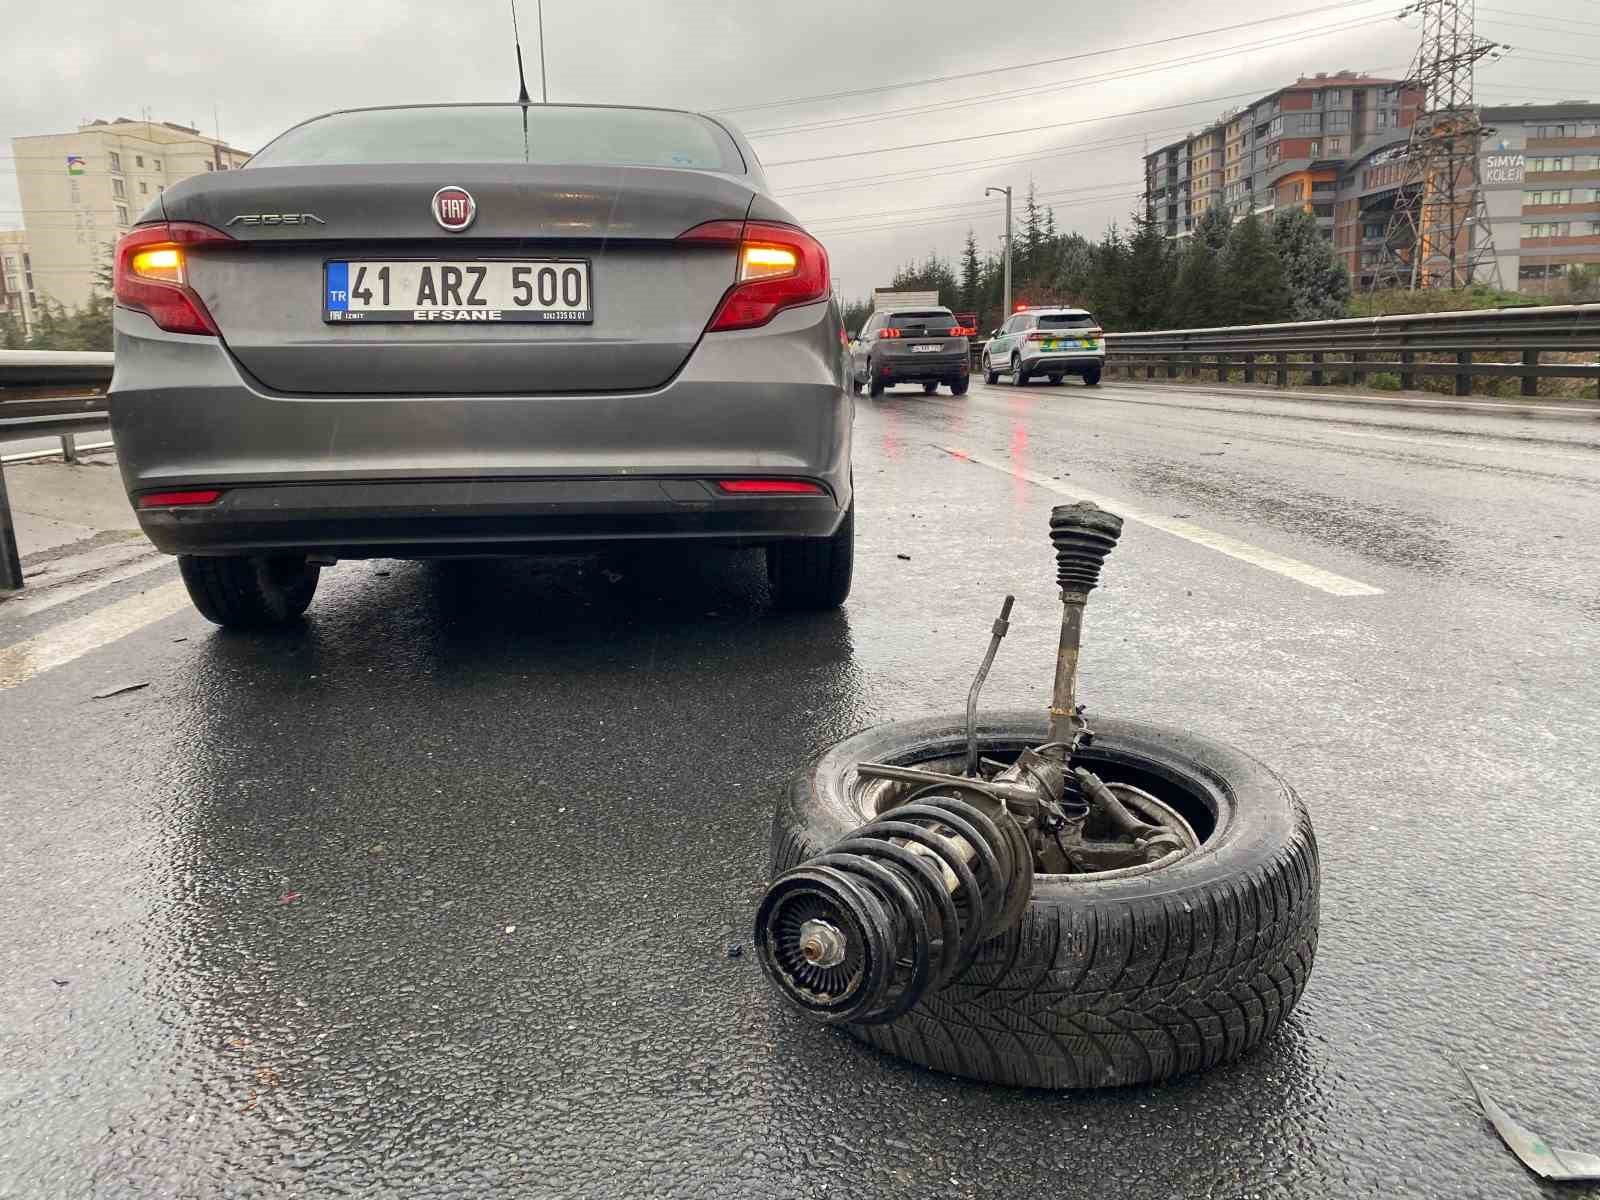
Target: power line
(1045,62)
(1040,89)
(1568,62)
(976,137)
(898,225)
(1497,24)
(1512,12)
(980,205)
(916,174)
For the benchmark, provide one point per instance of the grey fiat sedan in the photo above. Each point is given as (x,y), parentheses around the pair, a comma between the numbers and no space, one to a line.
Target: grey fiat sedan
(481,329)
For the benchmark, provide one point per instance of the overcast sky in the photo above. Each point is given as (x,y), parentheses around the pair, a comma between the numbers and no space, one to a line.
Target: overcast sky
(255,68)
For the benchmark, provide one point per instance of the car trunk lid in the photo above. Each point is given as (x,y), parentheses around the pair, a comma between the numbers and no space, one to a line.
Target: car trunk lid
(650,294)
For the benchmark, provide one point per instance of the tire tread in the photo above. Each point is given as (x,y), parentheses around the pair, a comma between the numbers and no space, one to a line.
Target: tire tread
(1079,1008)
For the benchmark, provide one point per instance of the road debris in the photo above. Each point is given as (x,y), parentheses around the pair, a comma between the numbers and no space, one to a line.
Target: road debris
(859,933)
(1543,1159)
(289,897)
(903,557)
(736,950)
(120,688)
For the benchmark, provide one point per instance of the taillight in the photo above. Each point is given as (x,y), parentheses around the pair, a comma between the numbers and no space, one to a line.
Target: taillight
(779,267)
(150,275)
(179,499)
(1036,336)
(770,487)
(889,332)
(963,331)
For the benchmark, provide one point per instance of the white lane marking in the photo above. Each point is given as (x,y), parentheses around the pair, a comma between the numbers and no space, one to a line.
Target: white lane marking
(25,604)
(70,566)
(1292,568)
(1155,386)
(73,639)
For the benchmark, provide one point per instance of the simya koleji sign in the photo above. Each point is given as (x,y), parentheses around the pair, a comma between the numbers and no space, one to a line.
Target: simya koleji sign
(1502,168)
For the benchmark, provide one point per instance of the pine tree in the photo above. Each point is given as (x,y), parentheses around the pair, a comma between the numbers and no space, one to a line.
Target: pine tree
(1214,226)
(1032,248)
(12,336)
(1317,280)
(50,321)
(1108,280)
(1147,288)
(855,315)
(1198,298)
(971,274)
(1075,268)
(1253,275)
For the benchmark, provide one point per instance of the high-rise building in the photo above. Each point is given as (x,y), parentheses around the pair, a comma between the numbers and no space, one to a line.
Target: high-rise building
(80,192)
(1540,172)
(1286,150)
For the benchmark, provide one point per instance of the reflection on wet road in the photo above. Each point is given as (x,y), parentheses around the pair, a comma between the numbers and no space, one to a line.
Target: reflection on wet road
(436,895)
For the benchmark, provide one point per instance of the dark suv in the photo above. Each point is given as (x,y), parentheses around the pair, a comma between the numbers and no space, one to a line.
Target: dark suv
(911,345)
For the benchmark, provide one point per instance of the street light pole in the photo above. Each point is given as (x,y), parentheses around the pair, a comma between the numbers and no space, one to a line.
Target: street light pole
(1007,193)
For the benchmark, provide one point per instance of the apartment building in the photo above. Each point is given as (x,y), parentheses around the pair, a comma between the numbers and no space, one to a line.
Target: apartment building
(17,297)
(1540,172)
(1539,169)
(80,191)
(1287,149)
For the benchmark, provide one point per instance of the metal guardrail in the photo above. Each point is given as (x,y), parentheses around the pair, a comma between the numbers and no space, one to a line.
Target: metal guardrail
(1407,346)
(46,393)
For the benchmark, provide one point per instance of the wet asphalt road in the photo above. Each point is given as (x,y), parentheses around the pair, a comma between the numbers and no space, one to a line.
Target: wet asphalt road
(434,896)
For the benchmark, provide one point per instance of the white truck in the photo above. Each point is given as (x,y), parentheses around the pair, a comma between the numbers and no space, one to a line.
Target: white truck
(886,298)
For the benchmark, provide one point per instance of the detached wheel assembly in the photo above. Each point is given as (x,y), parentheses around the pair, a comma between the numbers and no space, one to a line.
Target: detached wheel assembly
(1023,899)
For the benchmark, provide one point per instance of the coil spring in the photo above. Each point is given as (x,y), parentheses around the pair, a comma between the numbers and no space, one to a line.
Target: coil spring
(898,908)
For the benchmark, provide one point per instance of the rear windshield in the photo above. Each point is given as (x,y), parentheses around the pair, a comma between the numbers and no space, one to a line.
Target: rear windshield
(1066,321)
(493,133)
(934,318)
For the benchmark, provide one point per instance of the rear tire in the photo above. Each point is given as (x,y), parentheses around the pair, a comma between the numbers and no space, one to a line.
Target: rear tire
(813,574)
(1019,377)
(1091,377)
(990,375)
(874,381)
(855,386)
(929,389)
(959,387)
(250,591)
(1055,379)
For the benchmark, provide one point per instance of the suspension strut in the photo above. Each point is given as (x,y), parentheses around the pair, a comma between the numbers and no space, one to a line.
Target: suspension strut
(860,932)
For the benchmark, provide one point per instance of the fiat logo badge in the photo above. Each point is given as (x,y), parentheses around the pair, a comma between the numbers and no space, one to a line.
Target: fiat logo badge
(454,208)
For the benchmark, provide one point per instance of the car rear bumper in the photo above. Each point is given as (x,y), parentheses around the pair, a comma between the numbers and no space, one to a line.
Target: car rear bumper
(1065,361)
(359,475)
(917,367)
(428,518)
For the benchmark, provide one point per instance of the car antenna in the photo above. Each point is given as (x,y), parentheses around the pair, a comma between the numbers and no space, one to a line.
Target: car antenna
(522,80)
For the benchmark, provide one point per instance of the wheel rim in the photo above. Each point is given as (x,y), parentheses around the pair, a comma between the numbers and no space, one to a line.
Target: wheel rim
(1196,800)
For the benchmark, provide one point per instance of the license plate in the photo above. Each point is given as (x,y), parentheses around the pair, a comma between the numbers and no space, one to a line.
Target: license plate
(493,291)
(1064,344)
(926,349)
